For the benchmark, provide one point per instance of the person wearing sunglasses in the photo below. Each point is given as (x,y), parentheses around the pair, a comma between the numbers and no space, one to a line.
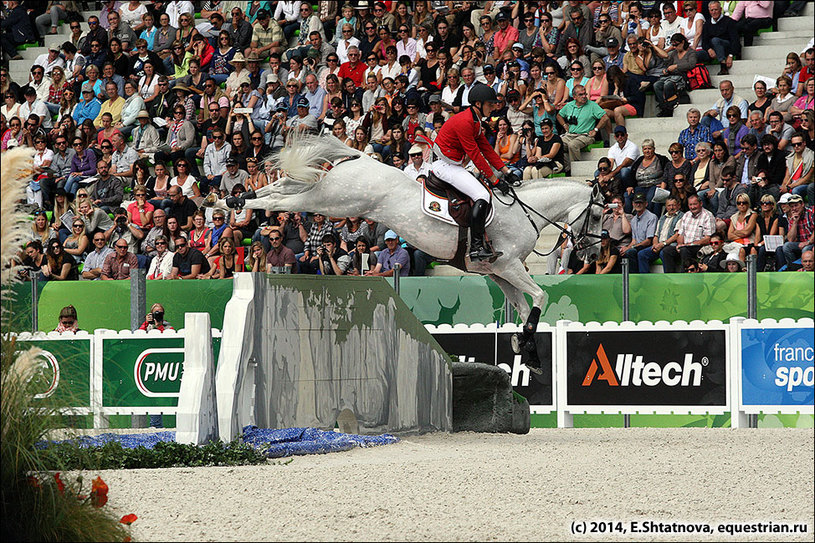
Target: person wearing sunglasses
(68,320)
(798,177)
(734,131)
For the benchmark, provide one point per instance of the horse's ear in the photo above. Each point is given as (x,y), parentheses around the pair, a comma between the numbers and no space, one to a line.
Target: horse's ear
(595,192)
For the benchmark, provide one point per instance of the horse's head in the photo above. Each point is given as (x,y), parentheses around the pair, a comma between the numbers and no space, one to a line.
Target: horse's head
(587,230)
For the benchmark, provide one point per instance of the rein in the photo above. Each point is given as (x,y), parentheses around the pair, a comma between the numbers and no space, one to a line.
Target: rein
(577,240)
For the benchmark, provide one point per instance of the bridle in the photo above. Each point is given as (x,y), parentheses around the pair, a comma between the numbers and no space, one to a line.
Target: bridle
(579,240)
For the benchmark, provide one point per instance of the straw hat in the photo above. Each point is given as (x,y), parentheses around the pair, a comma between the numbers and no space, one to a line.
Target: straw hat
(238,58)
(732,257)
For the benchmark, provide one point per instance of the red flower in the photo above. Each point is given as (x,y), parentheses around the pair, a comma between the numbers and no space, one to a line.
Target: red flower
(127,539)
(60,484)
(33,481)
(99,492)
(129,519)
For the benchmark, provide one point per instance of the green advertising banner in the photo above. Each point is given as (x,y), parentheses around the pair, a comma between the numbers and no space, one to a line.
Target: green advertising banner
(139,372)
(65,365)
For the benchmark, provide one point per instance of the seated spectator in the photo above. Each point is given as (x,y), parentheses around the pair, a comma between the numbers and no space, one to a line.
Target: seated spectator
(722,105)
(279,256)
(694,229)
(123,157)
(303,121)
(215,159)
(155,319)
(392,254)
(624,98)
(728,199)
(732,263)
(734,131)
(188,263)
(758,127)
(617,222)
(767,224)
(180,137)
(806,101)
(643,228)
(720,38)
(123,229)
(117,266)
(59,265)
(742,229)
(161,266)
(112,106)
(362,258)
(781,131)
(773,162)
(700,174)
(76,243)
(807,261)
(799,172)
(680,61)
(694,134)
(68,320)
(709,191)
(318,228)
(622,155)
(95,260)
(750,17)
(712,262)
(108,192)
(581,121)
(609,186)
(607,260)
(417,165)
(256,258)
(784,99)
(94,218)
(665,234)
(647,173)
(228,261)
(181,209)
(800,235)
(332,259)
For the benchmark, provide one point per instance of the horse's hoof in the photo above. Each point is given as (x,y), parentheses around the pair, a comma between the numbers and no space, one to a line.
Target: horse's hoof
(234,202)
(537,370)
(210,200)
(515,343)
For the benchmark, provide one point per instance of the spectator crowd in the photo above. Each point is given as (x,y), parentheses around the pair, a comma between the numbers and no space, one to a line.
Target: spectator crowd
(149,107)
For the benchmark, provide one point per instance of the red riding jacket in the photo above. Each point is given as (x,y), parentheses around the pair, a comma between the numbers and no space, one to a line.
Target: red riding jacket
(462,135)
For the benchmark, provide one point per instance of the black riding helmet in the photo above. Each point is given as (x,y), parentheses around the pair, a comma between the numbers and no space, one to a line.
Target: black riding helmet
(482,93)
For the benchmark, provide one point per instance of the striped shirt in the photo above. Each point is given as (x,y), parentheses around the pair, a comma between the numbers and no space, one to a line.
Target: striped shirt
(692,227)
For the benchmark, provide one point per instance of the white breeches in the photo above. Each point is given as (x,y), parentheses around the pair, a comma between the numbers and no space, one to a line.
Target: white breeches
(461,179)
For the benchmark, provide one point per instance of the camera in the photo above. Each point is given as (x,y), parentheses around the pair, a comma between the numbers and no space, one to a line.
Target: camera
(158,316)
(571,120)
(121,221)
(613,206)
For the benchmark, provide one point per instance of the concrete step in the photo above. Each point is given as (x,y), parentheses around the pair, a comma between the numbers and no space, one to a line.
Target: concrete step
(771,52)
(796,23)
(743,82)
(748,67)
(798,35)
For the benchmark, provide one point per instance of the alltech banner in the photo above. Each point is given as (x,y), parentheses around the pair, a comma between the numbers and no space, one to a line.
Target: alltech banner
(681,367)
(491,345)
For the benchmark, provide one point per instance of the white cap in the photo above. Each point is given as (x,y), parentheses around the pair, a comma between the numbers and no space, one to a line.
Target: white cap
(785,198)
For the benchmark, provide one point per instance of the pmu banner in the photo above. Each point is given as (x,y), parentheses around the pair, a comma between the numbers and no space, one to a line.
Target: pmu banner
(143,371)
(627,367)
(490,346)
(777,366)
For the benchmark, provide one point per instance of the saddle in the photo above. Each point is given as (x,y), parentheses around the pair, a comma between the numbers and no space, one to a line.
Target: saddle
(443,202)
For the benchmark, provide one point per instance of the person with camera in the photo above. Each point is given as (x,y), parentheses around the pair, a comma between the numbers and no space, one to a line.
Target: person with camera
(581,121)
(124,230)
(155,319)
(463,137)
(547,155)
(332,259)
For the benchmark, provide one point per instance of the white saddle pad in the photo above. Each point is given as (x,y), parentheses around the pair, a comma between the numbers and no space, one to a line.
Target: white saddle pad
(437,207)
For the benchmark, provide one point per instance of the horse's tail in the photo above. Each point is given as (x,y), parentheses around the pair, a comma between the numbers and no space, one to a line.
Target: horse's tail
(305,155)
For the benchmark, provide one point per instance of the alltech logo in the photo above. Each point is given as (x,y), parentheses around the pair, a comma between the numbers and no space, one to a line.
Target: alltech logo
(632,370)
(638,367)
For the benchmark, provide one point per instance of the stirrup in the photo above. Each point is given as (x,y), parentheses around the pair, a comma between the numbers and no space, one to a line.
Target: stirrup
(484,254)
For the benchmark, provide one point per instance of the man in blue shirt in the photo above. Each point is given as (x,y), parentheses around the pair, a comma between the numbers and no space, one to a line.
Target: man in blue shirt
(392,255)
(89,106)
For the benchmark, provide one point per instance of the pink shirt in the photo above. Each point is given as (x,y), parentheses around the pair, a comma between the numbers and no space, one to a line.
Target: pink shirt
(135,217)
(504,39)
(753,9)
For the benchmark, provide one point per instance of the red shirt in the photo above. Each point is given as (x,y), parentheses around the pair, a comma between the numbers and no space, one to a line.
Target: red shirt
(354,73)
(462,135)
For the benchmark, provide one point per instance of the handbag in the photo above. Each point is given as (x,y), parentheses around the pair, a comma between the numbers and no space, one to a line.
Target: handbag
(699,77)
(610,102)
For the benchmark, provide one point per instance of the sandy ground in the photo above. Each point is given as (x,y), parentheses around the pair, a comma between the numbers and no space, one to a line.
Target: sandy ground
(488,487)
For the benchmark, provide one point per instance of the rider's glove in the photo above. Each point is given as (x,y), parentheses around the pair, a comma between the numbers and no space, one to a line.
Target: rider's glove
(512,179)
(503,186)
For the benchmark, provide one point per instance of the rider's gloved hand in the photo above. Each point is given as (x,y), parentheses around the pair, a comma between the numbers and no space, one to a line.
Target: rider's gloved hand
(512,179)
(502,185)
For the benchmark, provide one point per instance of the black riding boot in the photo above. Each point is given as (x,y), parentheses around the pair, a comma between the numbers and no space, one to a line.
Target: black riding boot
(478,251)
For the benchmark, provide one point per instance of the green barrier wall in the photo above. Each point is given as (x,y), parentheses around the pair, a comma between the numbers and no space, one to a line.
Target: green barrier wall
(455,300)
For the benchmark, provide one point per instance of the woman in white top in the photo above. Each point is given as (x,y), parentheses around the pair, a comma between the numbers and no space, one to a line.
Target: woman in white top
(148,84)
(694,21)
(10,107)
(183,179)
(391,68)
(132,15)
(654,31)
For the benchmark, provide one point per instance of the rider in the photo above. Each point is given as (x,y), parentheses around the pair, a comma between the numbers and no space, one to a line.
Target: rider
(460,137)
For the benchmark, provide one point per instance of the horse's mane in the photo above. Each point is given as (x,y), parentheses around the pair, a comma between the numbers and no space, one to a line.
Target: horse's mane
(304,156)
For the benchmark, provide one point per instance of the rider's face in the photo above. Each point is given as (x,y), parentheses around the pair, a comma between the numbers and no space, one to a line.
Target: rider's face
(488,107)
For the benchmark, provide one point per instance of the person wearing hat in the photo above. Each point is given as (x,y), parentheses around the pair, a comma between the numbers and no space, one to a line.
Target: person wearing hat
(606,31)
(267,36)
(490,79)
(800,234)
(145,136)
(88,106)
(504,37)
(303,121)
(608,259)
(393,254)
(461,137)
(622,155)
(732,263)
(49,59)
(241,74)
(518,57)
(233,176)
(578,27)
(417,166)
(643,225)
